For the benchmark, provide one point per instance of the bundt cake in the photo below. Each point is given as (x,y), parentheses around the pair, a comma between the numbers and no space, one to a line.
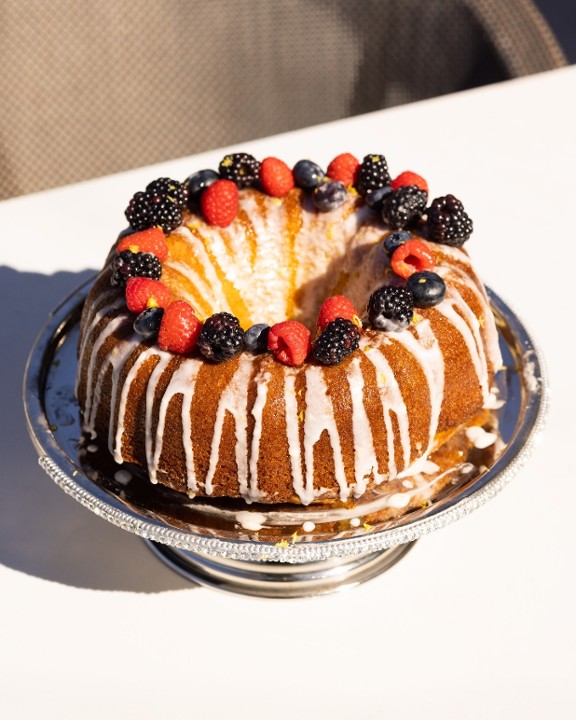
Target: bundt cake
(285,335)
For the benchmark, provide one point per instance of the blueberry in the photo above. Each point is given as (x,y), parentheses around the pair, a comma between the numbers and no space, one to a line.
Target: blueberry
(307,175)
(256,338)
(329,195)
(373,198)
(148,322)
(427,288)
(395,239)
(198,182)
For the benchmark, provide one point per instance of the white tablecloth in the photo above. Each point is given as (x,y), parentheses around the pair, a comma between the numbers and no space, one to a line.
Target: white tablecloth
(477,621)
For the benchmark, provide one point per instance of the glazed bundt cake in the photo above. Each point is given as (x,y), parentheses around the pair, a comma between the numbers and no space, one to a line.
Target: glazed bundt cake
(286,335)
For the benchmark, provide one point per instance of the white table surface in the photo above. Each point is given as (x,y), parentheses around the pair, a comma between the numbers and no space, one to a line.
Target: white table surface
(477,621)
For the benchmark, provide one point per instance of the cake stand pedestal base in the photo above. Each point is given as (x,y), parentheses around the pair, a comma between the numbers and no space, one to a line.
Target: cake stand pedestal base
(277,579)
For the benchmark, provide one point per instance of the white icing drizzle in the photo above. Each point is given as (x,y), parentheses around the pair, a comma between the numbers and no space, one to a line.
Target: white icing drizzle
(479,437)
(319,417)
(134,370)
(365,461)
(228,403)
(151,437)
(392,401)
(293,435)
(262,381)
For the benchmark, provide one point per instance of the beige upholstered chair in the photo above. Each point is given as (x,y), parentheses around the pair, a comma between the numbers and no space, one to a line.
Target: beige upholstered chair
(88,89)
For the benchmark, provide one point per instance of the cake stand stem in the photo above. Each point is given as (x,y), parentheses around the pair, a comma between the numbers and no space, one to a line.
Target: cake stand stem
(276,579)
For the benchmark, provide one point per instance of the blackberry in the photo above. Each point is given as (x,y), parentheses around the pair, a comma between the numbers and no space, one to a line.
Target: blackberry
(145,210)
(329,195)
(390,308)
(448,222)
(307,174)
(171,189)
(404,206)
(128,264)
(221,337)
(242,168)
(427,288)
(372,174)
(338,340)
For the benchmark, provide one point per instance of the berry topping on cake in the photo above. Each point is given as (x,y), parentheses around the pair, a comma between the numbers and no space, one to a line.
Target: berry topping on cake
(148,322)
(146,210)
(242,168)
(142,293)
(338,306)
(290,342)
(197,183)
(172,190)
(128,264)
(256,338)
(329,195)
(409,178)
(219,203)
(390,308)
(344,167)
(146,241)
(307,174)
(221,337)
(179,329)
(334,344)
(374,198)
(372,174)
(404,206)
(448,222)
(412,256)
(427,288)
(276,177)
(393,241)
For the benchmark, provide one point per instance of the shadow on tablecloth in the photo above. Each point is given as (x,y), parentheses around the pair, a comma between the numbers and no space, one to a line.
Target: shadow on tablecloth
(44,532)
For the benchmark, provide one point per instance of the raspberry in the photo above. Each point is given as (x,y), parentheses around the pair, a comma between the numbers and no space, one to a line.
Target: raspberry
(338,306)
(336,342)
(390,308)
(219,203)
(447,222)
(276,177)
(410,257)
(344,167)
(243,169)
(142,293)
(147,241)
(409,178)
(372,174)
(290,341)
(403,206)
(221,338)
(128,264)
(179,329)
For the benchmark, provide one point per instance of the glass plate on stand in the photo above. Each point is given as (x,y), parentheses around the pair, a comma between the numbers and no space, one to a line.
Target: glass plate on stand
(275,551)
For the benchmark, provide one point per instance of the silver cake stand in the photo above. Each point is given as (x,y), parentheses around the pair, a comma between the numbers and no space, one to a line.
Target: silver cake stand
(278,552)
